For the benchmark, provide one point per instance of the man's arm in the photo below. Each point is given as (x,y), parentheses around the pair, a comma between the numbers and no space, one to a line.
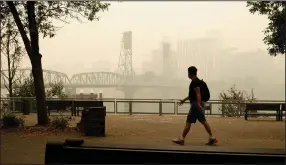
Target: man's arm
(198,96)
(198,92)
(185,99)
(182,101)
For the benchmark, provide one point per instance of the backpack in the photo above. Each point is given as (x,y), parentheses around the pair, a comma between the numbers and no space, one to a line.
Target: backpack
(205,93)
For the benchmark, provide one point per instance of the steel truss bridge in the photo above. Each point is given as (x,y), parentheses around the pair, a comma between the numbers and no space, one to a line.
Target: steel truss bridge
(92,79)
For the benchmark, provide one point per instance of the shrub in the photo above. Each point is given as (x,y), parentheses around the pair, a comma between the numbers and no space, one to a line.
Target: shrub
(60,122)
(12,121)
(233,101)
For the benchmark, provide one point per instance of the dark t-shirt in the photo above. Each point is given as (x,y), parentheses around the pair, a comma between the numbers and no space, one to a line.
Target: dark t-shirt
(192,93)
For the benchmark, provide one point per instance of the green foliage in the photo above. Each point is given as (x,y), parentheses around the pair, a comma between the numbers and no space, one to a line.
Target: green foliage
(60,122)
(41,19)
(26,88)
(11,49)
(49,11)
(46,11)
(275,32)
(56,90)
(12,121)
(233,101)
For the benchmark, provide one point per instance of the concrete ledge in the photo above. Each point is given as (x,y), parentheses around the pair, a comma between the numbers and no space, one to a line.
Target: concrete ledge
(82,153)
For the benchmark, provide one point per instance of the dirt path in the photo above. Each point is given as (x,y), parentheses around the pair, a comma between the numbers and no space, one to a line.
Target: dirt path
(147,129)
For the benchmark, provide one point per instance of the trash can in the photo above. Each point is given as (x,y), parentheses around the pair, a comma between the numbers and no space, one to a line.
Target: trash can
(26,107)
(93,119)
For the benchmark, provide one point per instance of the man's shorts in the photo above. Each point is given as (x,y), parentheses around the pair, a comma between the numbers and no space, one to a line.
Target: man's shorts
(196,114)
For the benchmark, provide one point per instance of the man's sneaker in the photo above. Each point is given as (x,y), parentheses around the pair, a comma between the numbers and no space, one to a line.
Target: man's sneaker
(179,141)
(212,141)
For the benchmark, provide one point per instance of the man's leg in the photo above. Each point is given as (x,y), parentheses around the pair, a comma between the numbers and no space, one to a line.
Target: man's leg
(207,127)
(202,119)
(191,118)
(186,130)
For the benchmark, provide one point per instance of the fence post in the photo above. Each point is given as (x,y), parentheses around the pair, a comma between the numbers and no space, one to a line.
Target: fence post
(73,108)
(13,105)
(130,107)
(31,106)
(175,107)
(160,108)
(281,112)
(222,108)
(239,108)
(115,106)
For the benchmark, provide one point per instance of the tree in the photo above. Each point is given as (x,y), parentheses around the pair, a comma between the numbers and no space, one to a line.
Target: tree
(26,89)
(233,101)
(56,90)
(275,35)
(11,49)
(40,17)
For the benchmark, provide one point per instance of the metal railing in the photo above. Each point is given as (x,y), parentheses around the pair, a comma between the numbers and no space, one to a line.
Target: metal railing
(137,106)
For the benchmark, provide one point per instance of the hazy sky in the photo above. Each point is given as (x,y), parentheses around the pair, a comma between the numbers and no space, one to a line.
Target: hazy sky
(85,47)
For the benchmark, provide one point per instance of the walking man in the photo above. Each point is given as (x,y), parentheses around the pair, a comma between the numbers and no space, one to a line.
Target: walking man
(198,94)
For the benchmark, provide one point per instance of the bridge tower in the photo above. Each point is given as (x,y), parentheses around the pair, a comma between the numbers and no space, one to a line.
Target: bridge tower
(125,67)
(125,59)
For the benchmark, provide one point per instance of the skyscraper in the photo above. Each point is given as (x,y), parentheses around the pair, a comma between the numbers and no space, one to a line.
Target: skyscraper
(169,61)
(199,53)
(166,52)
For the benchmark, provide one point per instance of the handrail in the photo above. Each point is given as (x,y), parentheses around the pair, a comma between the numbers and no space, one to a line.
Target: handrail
(214,106)
(155,99)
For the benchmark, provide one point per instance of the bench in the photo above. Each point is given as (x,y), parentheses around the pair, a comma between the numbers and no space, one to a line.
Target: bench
(64,104)
(262,107)
(208,107)
(55,105)
(85,104)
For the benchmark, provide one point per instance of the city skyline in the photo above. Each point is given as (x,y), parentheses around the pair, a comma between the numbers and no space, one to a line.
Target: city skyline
(239,53)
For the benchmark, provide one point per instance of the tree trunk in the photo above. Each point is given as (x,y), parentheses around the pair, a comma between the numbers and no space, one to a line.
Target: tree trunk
(20,26)
(34,55)
(37,72)
(10,88)
(10,81)
(37,65)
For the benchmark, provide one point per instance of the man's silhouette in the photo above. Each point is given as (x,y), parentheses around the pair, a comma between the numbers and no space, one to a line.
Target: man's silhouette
(196,111)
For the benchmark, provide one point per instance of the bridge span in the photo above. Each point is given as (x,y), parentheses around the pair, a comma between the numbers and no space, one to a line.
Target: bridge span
(128,85)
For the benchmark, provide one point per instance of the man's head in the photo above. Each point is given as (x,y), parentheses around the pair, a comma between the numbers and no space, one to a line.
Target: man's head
(192,72)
